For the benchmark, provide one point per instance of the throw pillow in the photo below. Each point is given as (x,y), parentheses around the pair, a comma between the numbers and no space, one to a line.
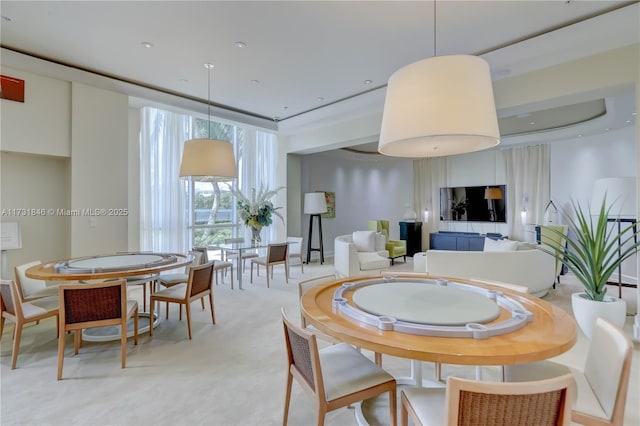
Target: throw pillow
(364,240)
(500,245)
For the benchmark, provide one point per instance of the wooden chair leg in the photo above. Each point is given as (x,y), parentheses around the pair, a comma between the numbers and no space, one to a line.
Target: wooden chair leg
(16,344)
(213,314)
(123,345)
(60,354)
(188,309)
(287,398)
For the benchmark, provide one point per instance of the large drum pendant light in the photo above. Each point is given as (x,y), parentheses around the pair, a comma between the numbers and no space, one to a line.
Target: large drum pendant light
(439,106)
(208,157)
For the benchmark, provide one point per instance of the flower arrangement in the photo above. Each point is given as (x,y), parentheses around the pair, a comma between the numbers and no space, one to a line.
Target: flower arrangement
(258,211)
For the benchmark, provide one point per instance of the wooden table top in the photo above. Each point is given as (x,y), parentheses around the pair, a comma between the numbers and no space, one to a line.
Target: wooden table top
(47,271)
(551,332)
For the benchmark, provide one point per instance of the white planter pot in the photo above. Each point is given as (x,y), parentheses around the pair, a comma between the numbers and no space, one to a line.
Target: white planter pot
(586,311)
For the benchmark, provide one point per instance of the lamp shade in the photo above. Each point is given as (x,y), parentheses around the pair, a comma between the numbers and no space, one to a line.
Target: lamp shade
(439,106)
(315,203)
(208,157)
(492,193)
(620,193)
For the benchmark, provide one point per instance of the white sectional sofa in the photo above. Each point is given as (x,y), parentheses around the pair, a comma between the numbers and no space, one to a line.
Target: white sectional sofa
(360,253)
(529,267)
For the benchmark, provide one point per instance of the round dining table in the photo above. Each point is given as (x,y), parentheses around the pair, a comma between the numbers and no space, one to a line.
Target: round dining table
(145,265)
(510,336)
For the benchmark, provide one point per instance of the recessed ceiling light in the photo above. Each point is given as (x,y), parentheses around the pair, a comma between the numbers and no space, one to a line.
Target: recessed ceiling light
(6,18)
(241,44)
(209,66)
(368,81)
(255,81)
(146,44)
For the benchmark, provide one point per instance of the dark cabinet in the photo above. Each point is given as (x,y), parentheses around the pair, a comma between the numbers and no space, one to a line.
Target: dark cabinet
(458,241)
(411,232)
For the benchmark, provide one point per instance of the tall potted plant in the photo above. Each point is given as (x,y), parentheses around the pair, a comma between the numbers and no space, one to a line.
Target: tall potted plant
(593,252)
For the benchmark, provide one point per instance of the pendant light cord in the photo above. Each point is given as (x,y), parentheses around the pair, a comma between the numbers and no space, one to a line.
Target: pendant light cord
(434,30)
(209,101)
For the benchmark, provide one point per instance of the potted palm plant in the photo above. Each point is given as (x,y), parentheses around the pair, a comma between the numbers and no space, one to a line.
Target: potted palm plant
(593,252)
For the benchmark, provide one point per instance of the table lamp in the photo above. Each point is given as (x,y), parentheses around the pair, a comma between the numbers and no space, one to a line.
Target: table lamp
(314,205)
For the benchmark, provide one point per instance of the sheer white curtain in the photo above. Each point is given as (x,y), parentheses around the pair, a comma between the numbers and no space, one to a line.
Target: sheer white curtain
(257,156)
(528,185)
(164,199)
(429,175)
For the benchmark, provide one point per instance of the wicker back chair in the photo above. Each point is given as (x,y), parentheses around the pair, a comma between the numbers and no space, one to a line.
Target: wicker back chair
(95,305)
(277,254)
(15,309)
(470,402)
(197,287)
(335,376)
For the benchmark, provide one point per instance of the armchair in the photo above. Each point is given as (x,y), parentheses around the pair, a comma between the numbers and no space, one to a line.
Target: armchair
(396,248)
(360,253)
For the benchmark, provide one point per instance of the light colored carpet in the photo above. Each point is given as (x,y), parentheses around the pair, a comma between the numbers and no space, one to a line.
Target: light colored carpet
(231,373)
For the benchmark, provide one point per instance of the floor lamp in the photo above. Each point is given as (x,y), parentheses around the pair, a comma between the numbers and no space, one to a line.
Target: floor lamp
(620,194)
(314,205)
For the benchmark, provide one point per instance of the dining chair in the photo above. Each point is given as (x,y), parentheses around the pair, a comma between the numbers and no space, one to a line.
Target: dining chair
(169,280)
(93,305)
(15,309)
(231,254)
(470,403)
(303,287)
(276,255)
(30,288)
(603,383)
(335,376)
(197,287)
(306,285)
(295,250)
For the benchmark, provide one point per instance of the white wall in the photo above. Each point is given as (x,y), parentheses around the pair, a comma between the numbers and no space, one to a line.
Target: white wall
(40,183)
(99,170)
(42,124)
(365,189)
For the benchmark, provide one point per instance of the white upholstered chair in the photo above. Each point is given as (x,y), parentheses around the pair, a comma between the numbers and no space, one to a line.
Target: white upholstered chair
(31,288)
(360,253)
(295,251)
(602,384)
(471,403)
(15,309)
(335,376)
(277,254)
(198,286)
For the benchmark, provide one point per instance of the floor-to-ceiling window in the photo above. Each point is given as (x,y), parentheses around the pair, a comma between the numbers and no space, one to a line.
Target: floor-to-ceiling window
(177,214)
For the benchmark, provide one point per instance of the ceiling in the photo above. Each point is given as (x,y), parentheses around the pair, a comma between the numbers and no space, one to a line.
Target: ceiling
(285,62)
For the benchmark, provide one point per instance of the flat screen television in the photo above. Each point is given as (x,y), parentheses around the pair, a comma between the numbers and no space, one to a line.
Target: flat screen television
(474,203)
